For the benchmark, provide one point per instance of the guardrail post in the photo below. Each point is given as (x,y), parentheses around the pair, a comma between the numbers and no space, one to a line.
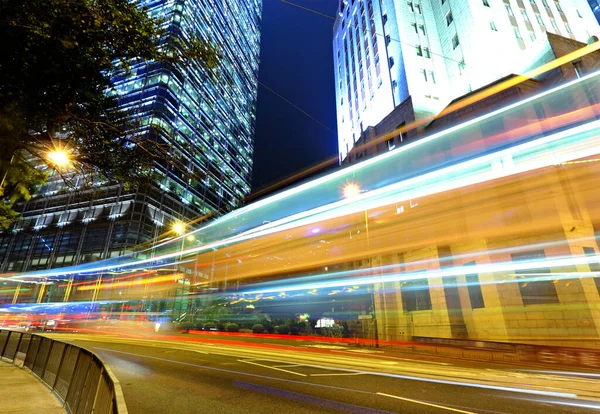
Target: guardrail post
(47,358)
(69,389)
(18,346)
(98,388)
(5,344)
(28,348)
(37,351)
(62,358)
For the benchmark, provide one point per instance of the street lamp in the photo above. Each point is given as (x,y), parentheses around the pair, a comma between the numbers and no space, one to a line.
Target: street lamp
(351,190)
(59,158)
(178,228)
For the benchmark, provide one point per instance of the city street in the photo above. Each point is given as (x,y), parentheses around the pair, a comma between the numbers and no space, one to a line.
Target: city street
(299,206)
(191,377)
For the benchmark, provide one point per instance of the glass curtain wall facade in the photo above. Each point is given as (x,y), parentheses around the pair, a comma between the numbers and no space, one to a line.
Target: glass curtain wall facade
(205,119)
(433,51)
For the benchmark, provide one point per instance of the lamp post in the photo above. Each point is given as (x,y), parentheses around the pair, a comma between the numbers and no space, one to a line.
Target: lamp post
(351,190)
(179,229)
(60,159)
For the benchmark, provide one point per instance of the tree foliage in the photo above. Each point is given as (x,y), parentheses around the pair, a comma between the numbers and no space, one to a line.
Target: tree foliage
(56,62)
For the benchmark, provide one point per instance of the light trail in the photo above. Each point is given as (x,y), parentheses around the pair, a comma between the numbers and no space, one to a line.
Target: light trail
(263,238)
(557,148)
(445,273)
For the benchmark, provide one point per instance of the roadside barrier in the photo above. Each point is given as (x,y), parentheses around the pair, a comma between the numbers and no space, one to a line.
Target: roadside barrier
(77,376)
(507,352)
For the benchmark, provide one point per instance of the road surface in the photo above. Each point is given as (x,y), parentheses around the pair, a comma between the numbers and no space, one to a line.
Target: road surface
(171,376)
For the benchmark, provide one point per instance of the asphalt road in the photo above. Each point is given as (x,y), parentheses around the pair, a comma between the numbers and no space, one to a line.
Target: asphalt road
(175,377)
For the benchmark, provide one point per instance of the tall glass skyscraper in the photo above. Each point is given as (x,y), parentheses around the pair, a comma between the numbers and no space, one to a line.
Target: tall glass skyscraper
(205,119)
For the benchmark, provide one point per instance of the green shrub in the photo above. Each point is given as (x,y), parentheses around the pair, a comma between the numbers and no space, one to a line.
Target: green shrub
(222,326)
(258,328)
(245,330)
(209,325)
(283,329)
(335,331)
(232,327)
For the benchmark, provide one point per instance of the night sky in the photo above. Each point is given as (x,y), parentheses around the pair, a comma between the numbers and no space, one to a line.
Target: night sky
(297,63)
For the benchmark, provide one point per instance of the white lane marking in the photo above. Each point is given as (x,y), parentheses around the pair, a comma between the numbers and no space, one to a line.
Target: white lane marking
(271,367)
(443,407)
(331,375)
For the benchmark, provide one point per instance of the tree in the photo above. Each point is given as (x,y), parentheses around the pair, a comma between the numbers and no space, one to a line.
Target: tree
(56,62)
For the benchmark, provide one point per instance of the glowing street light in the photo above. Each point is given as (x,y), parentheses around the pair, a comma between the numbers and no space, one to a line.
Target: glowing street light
(59,158)
(179,228)
(351,190)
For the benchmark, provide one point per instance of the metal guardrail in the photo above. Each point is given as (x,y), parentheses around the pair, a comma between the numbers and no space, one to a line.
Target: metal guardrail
(79,377)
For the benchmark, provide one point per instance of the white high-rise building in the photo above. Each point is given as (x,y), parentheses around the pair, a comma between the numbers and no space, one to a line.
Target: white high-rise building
(432,51)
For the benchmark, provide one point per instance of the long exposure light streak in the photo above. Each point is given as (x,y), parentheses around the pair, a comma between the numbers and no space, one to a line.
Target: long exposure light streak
(354,169)
(465,257)
(574,143)
(453,271)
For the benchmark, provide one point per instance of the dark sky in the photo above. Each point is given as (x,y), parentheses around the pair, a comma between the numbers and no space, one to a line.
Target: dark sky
(297,63)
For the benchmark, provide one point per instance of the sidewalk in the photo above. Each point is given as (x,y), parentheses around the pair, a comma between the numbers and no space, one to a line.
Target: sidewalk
(21,392)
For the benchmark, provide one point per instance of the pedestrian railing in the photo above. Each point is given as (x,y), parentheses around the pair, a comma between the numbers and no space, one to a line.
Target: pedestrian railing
(76,375)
